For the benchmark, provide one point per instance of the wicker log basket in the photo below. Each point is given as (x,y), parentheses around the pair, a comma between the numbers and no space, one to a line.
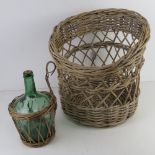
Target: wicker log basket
(99,55)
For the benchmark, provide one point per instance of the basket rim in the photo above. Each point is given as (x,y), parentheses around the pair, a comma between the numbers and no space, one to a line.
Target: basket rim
(51,107)
(141,42)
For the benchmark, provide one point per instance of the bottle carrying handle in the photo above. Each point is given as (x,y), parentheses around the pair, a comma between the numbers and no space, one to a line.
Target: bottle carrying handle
(48,74)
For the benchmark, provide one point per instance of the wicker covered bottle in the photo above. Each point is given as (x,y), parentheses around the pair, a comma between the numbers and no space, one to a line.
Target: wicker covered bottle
(34,113)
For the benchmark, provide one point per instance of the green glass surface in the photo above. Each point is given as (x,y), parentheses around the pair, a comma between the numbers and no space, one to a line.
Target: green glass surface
(33,101)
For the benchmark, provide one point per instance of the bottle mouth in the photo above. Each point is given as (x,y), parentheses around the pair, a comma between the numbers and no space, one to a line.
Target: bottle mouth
(28,73)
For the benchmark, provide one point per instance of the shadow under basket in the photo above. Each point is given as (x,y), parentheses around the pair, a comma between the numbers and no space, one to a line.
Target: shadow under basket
(99,55)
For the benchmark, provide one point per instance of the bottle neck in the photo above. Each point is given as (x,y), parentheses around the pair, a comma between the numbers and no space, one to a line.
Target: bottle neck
(30,88)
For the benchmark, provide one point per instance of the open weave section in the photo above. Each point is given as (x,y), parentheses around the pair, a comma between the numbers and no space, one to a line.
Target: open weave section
(38,128)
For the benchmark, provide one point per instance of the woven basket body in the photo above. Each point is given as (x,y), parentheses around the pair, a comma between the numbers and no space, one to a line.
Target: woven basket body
(34,129)
(99,56)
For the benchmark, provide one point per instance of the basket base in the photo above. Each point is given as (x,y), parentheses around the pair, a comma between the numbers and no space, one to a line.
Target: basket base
(39,144)
(109,117)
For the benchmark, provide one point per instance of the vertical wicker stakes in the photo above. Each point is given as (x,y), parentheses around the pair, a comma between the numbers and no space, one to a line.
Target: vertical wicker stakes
(99,56)
(30,126)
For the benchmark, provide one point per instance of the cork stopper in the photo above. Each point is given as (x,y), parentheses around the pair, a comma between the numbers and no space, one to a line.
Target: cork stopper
(28,73)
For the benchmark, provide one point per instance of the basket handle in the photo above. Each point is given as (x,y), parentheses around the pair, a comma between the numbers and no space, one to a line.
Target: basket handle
(49,73)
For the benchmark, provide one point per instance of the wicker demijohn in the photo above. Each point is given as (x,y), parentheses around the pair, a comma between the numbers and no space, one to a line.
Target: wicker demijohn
(99,55)
(30,126)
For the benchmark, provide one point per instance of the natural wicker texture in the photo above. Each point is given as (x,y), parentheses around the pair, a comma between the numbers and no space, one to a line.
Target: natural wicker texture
(99,55)
(25,135)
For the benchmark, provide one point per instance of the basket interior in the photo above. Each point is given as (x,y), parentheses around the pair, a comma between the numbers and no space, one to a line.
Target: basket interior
(98,48)
(98,40)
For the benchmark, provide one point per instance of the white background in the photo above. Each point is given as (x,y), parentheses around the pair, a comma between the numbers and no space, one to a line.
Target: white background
(26,25)
(25,28)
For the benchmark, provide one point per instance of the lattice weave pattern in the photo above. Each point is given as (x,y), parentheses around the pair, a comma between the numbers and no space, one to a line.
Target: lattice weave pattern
(99,55)
(34,129)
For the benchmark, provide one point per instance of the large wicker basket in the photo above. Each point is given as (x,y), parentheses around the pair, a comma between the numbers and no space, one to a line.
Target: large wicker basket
(99,55)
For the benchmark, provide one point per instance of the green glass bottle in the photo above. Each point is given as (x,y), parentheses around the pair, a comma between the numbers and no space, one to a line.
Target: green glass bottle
(32,102)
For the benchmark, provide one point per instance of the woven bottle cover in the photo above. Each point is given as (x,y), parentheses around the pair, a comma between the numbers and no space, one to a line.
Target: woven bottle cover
(51,109)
